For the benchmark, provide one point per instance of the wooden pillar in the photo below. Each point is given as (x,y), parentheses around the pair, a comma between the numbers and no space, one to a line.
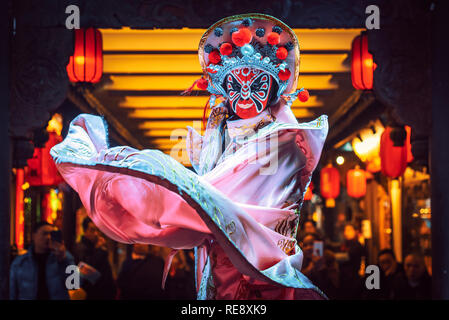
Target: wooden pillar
(439,154)
(396,212)
(5,155)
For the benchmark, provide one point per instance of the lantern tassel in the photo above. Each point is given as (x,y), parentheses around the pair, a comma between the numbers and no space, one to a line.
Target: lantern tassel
(189,90)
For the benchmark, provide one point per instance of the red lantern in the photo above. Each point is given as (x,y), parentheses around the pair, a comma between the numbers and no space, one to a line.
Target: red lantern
(356,182)
(393,159)
(308,195)
(19,217)
(41,169)
(86,64)
(330,184)
(362,64)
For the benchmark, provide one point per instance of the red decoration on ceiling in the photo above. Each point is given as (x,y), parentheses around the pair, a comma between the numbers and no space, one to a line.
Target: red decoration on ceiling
(330,182)
(86,64)
(41,169)
(356,183)
(393,159)
(362,64)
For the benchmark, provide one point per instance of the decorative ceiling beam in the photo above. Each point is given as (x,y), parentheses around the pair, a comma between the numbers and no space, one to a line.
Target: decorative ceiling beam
(194,13)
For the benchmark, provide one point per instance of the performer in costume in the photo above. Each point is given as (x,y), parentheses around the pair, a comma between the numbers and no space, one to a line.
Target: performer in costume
(240,211)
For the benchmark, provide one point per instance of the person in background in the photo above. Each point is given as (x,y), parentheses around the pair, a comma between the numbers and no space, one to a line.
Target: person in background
(415,283)
(310,260)
(349,267)
(322,271)
(327,277)
(390,269)
(40,274)
(92,251)
(140,277)
(309,227)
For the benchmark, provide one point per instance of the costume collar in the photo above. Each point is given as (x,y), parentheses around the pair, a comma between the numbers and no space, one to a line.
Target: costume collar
(247,127)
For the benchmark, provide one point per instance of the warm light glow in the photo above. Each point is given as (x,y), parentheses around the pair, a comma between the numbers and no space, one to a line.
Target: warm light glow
(362,65)
(138,102)
(79,60)
(356,182)
(368,63)
(340,160)
(178,124)
(19,214)
(55,124)
(53,201)
(188,63)
(86,62)
(193,113)
(181,82)
(25,186)
(186,39)
(368,148)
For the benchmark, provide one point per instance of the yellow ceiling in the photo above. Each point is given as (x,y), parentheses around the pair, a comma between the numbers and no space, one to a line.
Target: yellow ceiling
(188,63)
(163,113)
(146,63)
(181,82)
(145,102)
(169,39)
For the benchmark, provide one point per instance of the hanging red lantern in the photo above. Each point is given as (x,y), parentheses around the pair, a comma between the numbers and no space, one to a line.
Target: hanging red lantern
(356,182)
(41,169)
(362,64)
(308,195)
(393,152)
(330,184)
(86,64)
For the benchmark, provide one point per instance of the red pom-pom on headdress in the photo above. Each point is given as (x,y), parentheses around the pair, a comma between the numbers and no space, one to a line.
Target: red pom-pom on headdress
(226,49)
(214,56)
(202,84)
(281,53)
(273,38)
(284,74)
(242,37)
(303,96)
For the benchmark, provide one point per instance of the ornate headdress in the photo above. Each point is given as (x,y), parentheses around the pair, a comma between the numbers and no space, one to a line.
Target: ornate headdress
(253,40)
(250,40)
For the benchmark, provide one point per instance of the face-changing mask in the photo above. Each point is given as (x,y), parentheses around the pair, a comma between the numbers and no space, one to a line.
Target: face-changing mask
(249,91)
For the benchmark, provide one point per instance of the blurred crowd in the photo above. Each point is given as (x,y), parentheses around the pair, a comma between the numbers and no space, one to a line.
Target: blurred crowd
(338,269)
(40,273)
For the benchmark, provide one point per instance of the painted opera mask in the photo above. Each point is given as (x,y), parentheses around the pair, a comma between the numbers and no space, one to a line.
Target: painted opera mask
(249,91)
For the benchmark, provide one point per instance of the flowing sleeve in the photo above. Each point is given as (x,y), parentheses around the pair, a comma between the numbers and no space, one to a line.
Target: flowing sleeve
(148,197)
